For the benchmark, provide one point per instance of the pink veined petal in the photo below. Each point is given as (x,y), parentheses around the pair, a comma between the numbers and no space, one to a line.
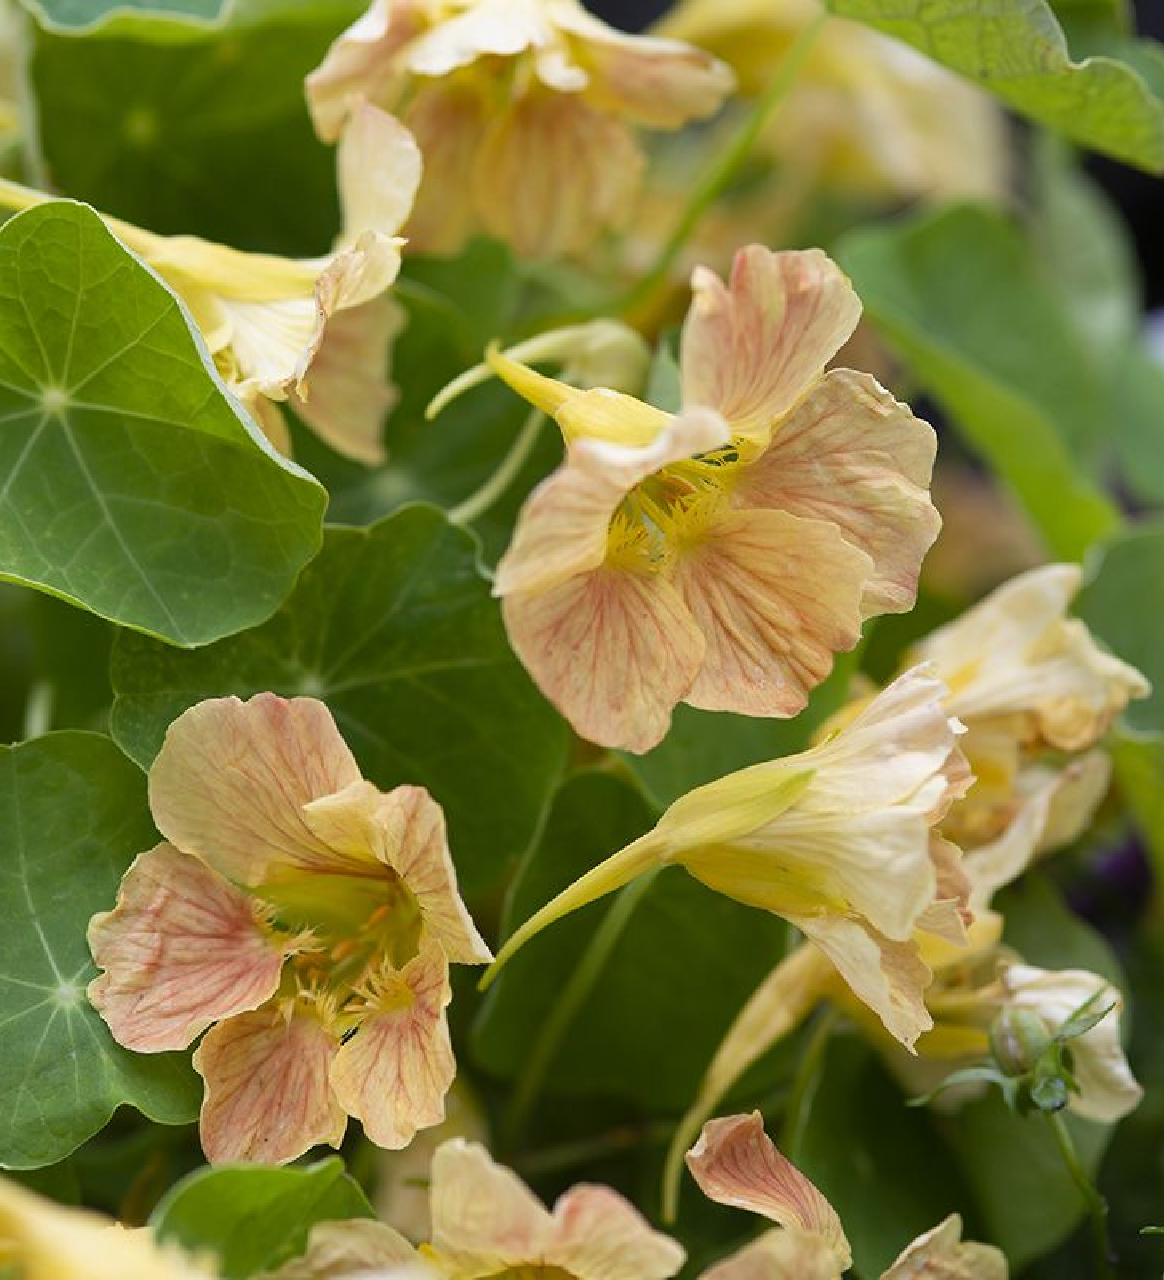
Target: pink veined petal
(405,830)
(851,455)
(484,1218)
(231,780)
(268,1098)
(393,1074)
(736,1163)
(752,348)
(181,949)
(553,173)
(597,1235)
(889,977)
(779,1255)
(613,650)
(775,598)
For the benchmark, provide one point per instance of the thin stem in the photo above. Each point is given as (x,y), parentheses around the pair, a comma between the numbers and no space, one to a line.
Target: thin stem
(574,995)
(804,1086)
(721,174)
(1096,1204)
(581,1151)
(476,504)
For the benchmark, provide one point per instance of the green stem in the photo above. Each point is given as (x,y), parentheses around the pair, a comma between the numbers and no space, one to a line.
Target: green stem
(804,1086)
(1096,1204)
(581,1151)
(721,174)
(477,503)
(574,995)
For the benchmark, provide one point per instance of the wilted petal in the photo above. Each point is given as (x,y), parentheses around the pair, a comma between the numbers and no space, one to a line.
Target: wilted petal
(267,1093)
(614,650)
(941,1255)
(1108,1090)
(851,455)
(232,777)
(393,1074)
(736,1163)
(752,348)
(181,949)
(950,915)
(405,830)
(347,393)
(484,1218)
(553,173)
(348,1250)
(775,598)
(597,1235)
(888,976)
(778,1255)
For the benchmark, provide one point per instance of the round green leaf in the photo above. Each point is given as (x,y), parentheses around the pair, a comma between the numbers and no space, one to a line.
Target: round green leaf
(73,810)
(393,626)
(132,485)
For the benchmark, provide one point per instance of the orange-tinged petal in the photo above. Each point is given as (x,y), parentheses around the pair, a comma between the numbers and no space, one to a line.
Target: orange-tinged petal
(752,348)
(393,1074)
(597,1235)
(405,830)
(181,949)
(736,1163)
(775,598)
(614,650)
(484,1218)
(940,1254)
(553,173)
(851,455)
(346,1251)
(232,777)
(268,1098)
(778,1255)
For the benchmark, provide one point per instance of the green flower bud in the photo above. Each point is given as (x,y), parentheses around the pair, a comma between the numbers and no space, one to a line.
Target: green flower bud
(1018,1039)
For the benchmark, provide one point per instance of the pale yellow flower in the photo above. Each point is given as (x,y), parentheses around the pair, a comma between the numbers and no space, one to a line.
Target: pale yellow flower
(523,109)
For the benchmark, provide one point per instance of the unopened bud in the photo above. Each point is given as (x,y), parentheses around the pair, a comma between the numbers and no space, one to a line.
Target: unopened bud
(1018,1039)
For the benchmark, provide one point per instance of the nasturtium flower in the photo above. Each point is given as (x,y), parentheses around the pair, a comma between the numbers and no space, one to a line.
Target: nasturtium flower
(839,840)
(866,115)
(523,109)
(722,555)
(304,917)
(41,1240)
(737,1164)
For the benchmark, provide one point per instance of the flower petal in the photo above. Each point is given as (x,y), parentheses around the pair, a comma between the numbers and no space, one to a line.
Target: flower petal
(941,1255)
(347,1250)
(888,976)
(775,597)
(613,650)
(393,1074)
(484,1218)
(232,777)
(597,1235)
(851,455)
(752,348)
(182,949)
(405,830)
(267,1093)
(377,171)
(553,173)
(497,28)
(778,1255)
(737,1164)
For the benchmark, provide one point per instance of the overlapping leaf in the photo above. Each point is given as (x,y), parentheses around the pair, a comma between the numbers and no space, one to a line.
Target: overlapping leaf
(73,811)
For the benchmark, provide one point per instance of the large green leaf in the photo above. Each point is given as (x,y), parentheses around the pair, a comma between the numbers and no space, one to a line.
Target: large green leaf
(1139,763)
(394,627)
(958,294)
(168,21)
(585,1007)
(253,1220)
(1123,603)
(1017,50)
(73,811)
(132,484)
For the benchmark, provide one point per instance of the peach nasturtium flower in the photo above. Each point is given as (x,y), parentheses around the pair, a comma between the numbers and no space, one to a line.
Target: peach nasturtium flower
(523,110)
(304,917)
(722,555)
(736,1163)
(839,840)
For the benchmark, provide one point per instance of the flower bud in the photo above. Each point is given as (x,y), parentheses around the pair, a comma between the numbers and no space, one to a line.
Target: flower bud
(1018,1038)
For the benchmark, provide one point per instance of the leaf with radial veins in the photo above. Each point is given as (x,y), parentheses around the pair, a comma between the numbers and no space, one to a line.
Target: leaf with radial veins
(393,626)
(130,482)
(74,815)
